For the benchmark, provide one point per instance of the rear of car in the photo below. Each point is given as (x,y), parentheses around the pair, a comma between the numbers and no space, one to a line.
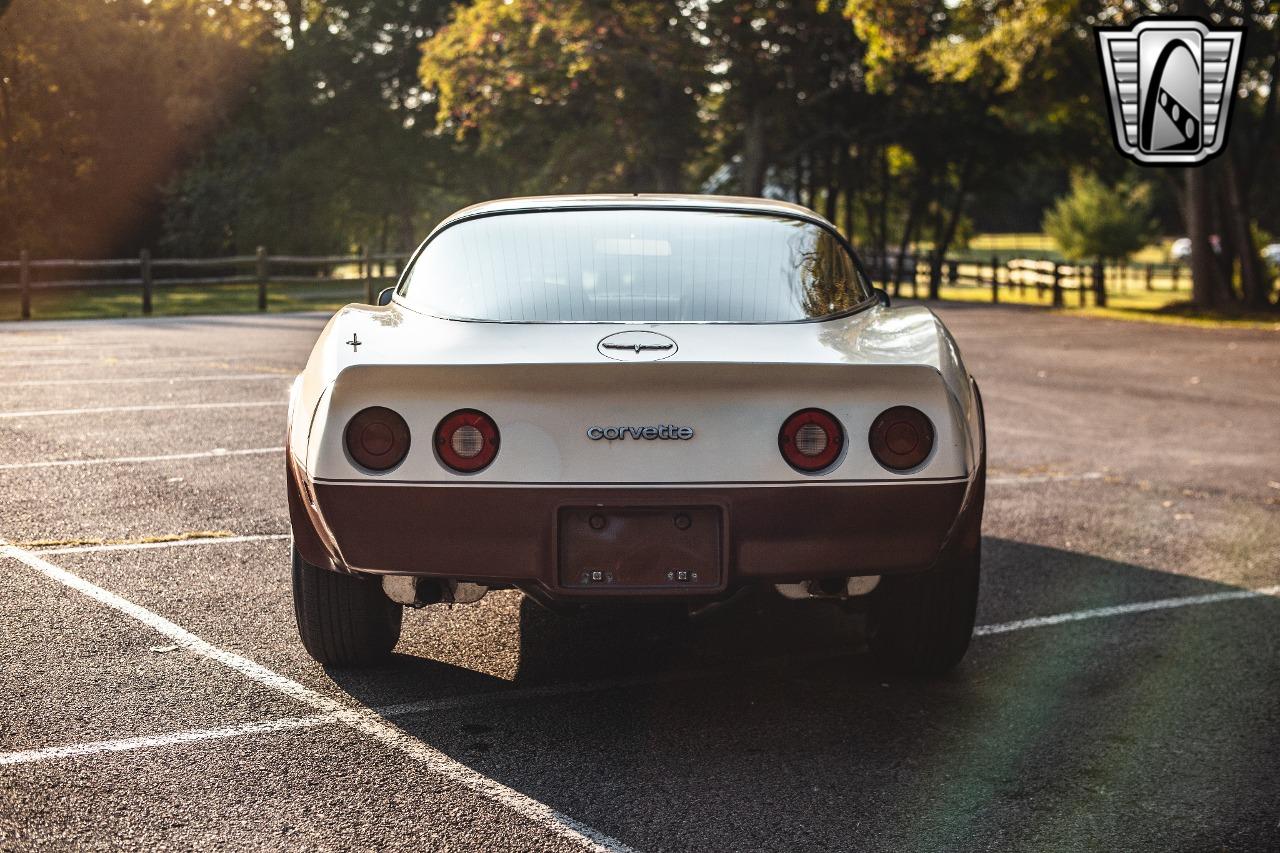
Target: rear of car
(632,399)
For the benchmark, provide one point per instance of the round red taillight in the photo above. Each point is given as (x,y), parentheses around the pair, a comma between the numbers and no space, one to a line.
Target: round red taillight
(467,440)
(901,438)
(377,438)
(811,440)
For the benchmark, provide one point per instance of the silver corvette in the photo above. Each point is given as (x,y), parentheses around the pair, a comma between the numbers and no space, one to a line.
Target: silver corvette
(657,398)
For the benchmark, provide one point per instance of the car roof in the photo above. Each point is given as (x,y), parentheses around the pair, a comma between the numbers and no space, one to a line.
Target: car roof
(636,200)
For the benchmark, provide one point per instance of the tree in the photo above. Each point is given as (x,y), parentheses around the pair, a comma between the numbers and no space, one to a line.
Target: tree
(99,102)
(333,145)
(1037,45)
(1099,221)
(958,120)
(575,96)
(787,97)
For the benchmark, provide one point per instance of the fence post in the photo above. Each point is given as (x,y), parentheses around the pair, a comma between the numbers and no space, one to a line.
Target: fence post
(144,263)
(953,271)
(262,278)
(24,282)
(1099,284)
(366,268)
(1057,287)
(995,280)
(1150,269)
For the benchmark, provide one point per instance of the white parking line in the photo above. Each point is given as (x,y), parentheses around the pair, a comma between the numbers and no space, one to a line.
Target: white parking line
(75,750)
(363,720)
(82,345)
(550,691)
(1124,610)
(123,460)
(168,543)
(39,413)
(125,380)
(1044,478)
(110,361)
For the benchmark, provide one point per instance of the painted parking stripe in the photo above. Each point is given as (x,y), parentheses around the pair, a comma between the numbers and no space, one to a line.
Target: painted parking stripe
(1044,478)
(108,361)
(127,460)
(162,407)
(99,345)
(76,750)
(1125,610)
(128,380)
(171,543)
(553,691)
(363,720)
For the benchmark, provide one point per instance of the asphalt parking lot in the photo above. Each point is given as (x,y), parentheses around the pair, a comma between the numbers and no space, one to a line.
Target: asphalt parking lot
(1124,692)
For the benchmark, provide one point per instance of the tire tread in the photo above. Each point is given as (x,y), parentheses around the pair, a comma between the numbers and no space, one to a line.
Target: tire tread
(343,620)
(921,624)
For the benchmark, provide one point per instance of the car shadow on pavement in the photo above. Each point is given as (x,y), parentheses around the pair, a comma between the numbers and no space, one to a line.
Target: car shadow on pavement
(765,726)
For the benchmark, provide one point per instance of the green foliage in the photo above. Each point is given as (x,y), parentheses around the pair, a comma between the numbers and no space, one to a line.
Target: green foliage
(576,95)
(332,148)
(317,125)
(99,102)
(1100,221)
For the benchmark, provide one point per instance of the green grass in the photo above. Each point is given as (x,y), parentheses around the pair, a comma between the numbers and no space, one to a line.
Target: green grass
(982,247)
(1127,297)
(182,300)
(1139,305)
(1043,247)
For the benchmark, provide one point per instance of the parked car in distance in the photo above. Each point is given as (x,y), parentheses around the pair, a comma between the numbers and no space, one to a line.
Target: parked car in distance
(1180,249)
(649,398)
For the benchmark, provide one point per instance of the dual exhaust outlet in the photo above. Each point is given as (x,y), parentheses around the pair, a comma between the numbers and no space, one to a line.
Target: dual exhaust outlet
(419,592)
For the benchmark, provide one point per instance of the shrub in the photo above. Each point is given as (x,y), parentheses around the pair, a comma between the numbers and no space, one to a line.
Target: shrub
(1095,220)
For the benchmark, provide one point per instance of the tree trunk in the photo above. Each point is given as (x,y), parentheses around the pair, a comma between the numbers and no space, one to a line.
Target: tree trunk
(1254,283)
(408,238)
(829,207)
(849,207)
(1204,278)
(953,221)
(383,236)
(665,176)
(935,262)
(814,180)
(754,156)
(908,231)
(294,12)
(882,230)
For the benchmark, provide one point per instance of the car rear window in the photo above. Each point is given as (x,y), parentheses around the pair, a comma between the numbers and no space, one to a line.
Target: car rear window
(634,265)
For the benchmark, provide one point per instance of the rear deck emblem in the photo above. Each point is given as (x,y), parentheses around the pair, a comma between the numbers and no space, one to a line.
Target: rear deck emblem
(1170,84)
(637,346)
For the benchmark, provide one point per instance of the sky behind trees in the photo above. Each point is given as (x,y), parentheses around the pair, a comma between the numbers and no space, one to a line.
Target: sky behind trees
(212,126)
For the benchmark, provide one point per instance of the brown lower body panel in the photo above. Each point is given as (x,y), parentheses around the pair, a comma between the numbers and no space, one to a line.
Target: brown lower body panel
(511,535)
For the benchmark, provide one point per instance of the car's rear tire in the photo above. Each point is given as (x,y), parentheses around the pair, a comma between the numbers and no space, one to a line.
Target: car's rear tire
(920,624)
(344,620)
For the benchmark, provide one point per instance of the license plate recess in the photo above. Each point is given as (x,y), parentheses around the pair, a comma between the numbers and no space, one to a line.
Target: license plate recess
(664,549)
